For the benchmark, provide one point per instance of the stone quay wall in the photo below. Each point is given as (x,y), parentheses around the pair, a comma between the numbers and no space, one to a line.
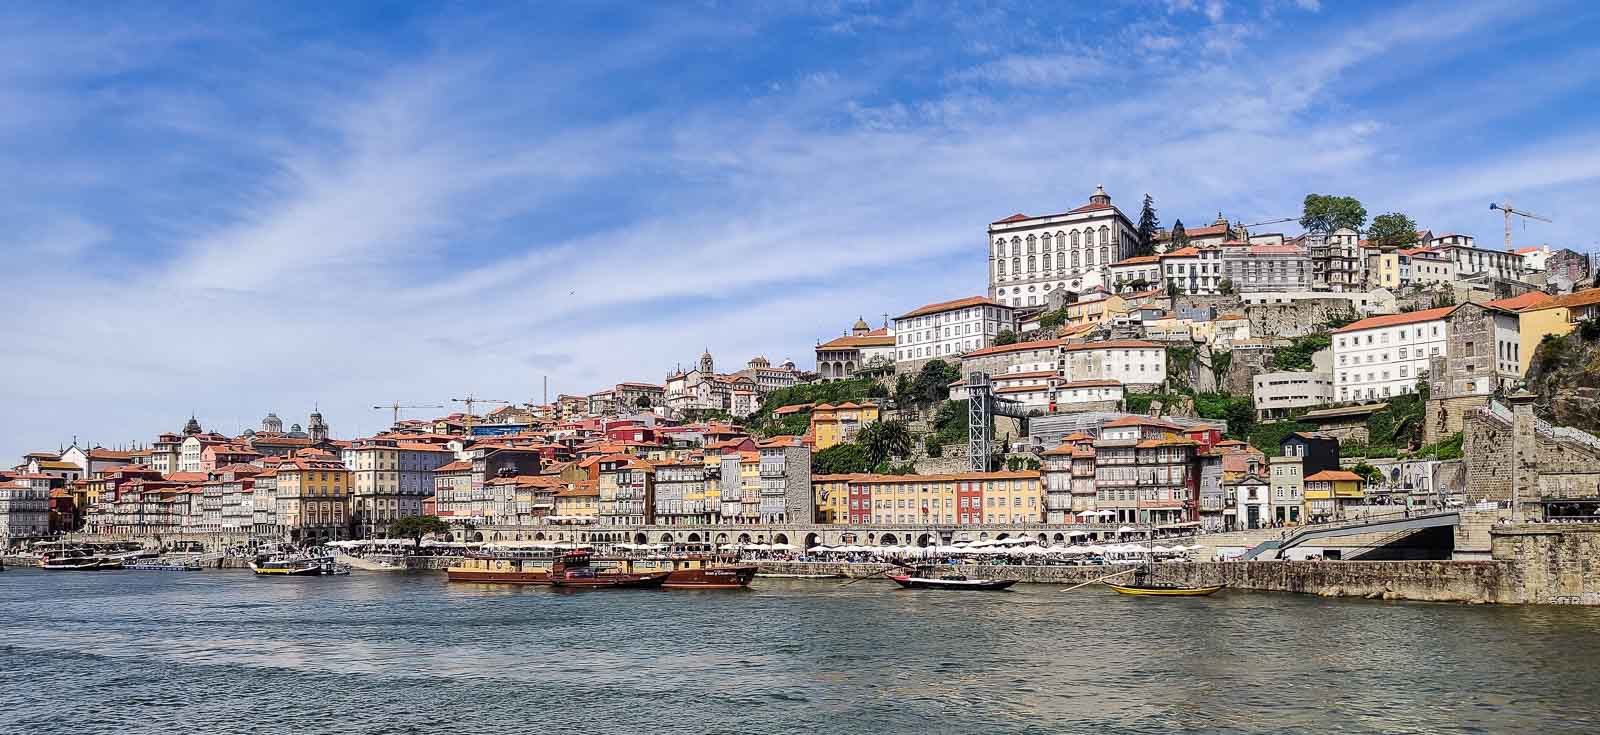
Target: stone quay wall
(1439,581)
(1556,563)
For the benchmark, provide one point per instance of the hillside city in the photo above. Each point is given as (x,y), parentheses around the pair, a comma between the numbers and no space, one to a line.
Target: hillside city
(1112,371)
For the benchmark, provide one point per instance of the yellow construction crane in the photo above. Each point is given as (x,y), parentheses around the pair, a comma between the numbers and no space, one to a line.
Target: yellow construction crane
(470,400)
(396,406)
(1506,209)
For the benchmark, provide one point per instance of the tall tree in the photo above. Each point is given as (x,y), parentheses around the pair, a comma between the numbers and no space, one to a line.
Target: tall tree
(1393,228)
(1180,237)
(883,440)
(1149,225)
(415,527)
(1325,213)
(1005,337)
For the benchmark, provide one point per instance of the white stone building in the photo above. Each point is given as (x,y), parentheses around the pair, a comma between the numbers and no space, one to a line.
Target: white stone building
(864,348)
(1032,256)
(1130,362)
(1261,267)
(950,328)
(1421,267)
(1192,270)
(1470,260)
(1384,356)
(24,510)
(1139,272)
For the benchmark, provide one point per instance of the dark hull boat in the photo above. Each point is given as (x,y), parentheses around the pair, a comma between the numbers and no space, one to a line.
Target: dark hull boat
(950,583)
(573,571)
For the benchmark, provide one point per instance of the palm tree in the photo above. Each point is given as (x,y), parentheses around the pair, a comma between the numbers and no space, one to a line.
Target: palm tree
(885,439)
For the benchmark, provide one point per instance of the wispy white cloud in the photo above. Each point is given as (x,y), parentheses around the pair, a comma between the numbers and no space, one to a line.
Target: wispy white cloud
(1038,71)
(470,220)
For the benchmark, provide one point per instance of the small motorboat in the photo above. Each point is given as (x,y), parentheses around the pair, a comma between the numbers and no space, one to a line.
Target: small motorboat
(950,582)
(1164,590)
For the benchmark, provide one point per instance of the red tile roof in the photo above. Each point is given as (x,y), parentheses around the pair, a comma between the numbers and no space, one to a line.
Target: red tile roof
(1138,260)
(1394,320)
(1042,344)
(869,340)
(1522,302)
(944,306)
(1139,421)
(1112,344)
(1334,475)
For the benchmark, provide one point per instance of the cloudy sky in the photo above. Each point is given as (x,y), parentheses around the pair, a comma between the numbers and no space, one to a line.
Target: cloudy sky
(242,208)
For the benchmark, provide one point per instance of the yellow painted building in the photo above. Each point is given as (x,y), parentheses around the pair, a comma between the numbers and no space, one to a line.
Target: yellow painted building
(1329,492)
(1095,312)
(579,502)
(313,499)
(971,498)
(832,425)
(832,495)
(1383,267)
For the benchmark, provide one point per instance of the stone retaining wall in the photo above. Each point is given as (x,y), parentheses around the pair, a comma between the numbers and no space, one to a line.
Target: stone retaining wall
(1439,581)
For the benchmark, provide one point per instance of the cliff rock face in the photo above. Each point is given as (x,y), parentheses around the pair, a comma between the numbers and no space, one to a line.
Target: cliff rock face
(1565,373)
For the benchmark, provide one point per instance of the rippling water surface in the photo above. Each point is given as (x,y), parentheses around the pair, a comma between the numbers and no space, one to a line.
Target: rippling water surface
(224,652)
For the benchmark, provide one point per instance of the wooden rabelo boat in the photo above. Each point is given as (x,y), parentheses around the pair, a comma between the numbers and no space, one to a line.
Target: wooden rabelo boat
(1163,590)
(694,570)
(1144,586)
(949,582)
(573,570)
(503,568)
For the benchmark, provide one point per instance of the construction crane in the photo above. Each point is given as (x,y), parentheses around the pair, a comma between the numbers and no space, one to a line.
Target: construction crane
(396,406)
(1506,209)
(470,400)
(1270,222)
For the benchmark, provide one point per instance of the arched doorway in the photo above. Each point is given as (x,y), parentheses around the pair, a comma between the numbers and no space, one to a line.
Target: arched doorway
(924,540)
(985,536)
(744,538)
(780,539)
(538,536)
(888,540)
(872,538)
(694,538)
(1059,538)
(639,538)
(1043,539)
(1002,537)
(477,537)
(812,540)
(666,538)
(722,538)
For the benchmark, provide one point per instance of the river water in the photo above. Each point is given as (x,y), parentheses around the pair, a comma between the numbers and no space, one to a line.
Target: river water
(224,652)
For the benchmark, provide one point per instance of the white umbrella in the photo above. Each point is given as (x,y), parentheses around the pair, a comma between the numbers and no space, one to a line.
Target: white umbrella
(781,547)
(1126,529)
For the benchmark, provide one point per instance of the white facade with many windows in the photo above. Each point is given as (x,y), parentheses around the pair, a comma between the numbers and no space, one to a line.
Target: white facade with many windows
(950,328)
(1385,356)
(1032,257)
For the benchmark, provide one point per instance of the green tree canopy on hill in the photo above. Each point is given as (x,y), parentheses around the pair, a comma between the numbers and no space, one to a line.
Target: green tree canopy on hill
(1325,213)
(1393,228)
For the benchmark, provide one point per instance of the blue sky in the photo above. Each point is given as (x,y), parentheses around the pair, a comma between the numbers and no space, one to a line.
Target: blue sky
(240,208)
